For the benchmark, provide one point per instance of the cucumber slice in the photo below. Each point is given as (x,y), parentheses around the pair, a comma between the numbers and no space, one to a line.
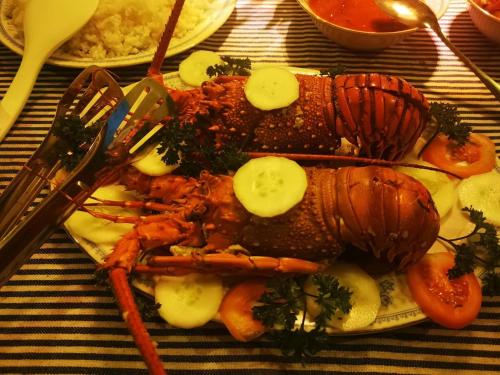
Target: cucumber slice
(365,297)
(150,163)
(193,69)
(188,301)
(482,192)
(270,186)
(102,231)
(442,189)
(271,88)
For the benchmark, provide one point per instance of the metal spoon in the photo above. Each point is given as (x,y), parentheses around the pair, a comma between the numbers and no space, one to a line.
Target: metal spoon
(416,13)
(47,25)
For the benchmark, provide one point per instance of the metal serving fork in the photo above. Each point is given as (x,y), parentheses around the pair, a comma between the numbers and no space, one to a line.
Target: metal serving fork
(93,87)
(100,99)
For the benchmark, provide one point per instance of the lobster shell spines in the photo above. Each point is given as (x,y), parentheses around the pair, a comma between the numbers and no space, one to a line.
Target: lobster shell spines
(304,126)
(306,231)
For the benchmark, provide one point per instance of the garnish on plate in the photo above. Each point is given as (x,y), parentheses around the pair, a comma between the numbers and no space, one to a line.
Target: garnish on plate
(285,301)
(78,138)
(194,148)
(446,120)
(231,66)
(450,123)
(453,147)
(333,72)
(481,249)
(452,303)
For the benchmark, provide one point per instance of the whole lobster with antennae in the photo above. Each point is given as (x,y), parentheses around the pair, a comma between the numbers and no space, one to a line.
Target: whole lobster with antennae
(372,208)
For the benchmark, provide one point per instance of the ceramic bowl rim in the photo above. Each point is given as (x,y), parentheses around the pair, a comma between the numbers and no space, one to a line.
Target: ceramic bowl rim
(304,4)
(490,16)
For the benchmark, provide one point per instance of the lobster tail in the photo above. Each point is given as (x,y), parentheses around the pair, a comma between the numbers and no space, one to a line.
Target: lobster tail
(382,115)
(386,213)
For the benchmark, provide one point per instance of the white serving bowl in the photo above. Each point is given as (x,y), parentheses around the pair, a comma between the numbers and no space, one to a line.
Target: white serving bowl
(366,40)
(487,23)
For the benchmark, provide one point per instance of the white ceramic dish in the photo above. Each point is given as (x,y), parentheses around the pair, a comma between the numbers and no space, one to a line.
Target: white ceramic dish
(485,22)
(364,40)
(221,12)
(398,308)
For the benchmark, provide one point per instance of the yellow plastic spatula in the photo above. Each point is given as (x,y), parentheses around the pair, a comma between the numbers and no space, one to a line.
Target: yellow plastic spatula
(47,25)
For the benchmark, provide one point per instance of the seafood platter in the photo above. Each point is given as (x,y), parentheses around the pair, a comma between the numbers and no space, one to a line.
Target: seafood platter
(286,203)
(302,215)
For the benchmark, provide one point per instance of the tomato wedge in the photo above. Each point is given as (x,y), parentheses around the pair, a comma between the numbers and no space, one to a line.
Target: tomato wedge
(236,310)
(474,157)
(450,303)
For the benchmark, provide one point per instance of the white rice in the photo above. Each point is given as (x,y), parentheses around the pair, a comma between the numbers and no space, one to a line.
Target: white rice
(122,27)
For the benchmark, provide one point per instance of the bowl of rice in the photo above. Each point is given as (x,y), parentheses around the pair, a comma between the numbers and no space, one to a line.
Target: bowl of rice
(123,32)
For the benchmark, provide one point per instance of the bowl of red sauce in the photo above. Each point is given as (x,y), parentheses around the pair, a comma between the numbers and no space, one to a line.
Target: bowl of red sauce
(361,24)
(485,14)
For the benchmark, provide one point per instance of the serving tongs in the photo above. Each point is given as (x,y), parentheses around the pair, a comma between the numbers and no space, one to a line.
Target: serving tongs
(91,97)
(99,101)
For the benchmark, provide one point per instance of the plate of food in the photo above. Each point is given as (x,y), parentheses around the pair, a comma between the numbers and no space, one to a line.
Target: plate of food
(123,33)
(280,239)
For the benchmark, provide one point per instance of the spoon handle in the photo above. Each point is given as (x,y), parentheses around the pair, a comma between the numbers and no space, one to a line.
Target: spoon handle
(16,96)
(493,86)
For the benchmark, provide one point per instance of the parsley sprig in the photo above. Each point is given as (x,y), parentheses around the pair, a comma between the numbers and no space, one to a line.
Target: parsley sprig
(449,123)
(77,139)
(194,148)
(482,248)
(230,66)
(285,301)
(333,72)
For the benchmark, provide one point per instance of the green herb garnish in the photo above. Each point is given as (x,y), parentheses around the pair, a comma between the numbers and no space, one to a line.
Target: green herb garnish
(449,123)
(77,138)
(482,248)
(194,148)
(285,298)
(231,66)
(333,72)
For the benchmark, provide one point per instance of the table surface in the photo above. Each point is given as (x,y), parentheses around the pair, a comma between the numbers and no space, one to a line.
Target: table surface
(54,320)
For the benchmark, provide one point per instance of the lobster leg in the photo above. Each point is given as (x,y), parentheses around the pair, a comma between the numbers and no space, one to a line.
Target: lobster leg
(119,280)
(227,261)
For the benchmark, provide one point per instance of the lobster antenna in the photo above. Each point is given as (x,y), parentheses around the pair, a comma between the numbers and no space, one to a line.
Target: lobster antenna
(354,159)
(154,69)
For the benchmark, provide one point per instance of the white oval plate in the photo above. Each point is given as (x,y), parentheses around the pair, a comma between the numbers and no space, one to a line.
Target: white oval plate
(398,309)
(221,12)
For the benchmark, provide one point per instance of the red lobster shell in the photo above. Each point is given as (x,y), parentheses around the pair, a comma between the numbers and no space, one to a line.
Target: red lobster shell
(381,115)
(373,208)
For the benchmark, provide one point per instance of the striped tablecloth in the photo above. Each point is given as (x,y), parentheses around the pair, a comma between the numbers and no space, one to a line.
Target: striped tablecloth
(53,320)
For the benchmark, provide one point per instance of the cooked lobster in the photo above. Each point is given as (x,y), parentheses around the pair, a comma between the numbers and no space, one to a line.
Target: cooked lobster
(373,208)
(380,116)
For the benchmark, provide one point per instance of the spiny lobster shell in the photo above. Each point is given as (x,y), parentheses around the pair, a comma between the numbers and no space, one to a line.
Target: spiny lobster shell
(381,115)
(375,209)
